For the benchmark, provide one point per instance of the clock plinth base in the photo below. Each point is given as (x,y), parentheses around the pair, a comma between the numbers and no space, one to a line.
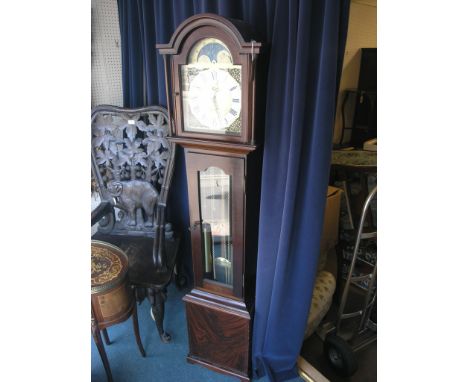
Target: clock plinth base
(219,333)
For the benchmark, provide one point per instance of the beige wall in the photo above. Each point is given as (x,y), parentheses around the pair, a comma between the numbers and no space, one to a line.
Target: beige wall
(362,33)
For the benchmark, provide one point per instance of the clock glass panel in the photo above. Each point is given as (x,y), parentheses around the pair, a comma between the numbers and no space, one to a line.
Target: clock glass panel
(215,210)
(211,89)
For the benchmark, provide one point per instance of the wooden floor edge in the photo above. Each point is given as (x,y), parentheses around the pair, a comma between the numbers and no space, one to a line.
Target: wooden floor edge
(309,373)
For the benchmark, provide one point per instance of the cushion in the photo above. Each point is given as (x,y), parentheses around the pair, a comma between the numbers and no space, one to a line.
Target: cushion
(322,298)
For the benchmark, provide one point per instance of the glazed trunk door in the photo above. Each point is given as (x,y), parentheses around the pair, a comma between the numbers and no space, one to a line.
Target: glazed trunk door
(216,195)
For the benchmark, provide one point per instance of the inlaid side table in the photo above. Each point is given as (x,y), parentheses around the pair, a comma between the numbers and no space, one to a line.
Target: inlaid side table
(112,298)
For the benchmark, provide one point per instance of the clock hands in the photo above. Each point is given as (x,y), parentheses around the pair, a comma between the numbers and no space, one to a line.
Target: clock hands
(215,90)
(214,98)
(215,102)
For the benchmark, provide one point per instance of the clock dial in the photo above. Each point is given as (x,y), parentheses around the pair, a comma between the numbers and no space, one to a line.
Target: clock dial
(214,98)
(211,90)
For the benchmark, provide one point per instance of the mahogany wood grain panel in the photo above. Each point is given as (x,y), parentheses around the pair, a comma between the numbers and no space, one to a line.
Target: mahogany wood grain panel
(219,336)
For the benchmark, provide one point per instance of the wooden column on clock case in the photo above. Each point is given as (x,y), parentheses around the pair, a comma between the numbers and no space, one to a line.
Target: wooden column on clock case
(220,314)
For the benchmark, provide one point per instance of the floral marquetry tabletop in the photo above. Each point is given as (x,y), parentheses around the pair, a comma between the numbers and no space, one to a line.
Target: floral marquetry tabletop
(108,265)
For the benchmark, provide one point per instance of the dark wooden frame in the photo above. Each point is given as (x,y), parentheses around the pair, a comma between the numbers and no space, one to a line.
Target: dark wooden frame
(106,205)
(198,160)
(220,318)
(243,53)
(164,261)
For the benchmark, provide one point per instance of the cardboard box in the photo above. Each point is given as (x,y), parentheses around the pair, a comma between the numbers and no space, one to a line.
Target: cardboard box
(330,224)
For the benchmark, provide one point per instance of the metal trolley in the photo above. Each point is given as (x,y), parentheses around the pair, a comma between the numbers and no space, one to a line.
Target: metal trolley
(341,341)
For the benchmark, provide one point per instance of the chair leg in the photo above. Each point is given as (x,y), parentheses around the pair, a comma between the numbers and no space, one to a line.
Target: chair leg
(158,313)
(136,330)
(102,351)
(106,337)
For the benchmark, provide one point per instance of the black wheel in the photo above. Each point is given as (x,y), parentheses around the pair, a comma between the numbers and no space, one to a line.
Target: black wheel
(340,355)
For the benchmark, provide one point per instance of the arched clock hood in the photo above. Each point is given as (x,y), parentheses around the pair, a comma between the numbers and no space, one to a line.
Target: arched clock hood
(241,32)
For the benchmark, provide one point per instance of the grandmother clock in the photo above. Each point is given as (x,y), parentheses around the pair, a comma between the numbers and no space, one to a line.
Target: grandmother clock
(210,62)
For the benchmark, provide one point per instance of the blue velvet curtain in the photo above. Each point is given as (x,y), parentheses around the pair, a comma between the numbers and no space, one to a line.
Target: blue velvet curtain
(306,41)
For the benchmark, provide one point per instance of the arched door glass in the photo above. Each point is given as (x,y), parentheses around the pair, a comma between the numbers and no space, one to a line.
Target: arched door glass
(215,215)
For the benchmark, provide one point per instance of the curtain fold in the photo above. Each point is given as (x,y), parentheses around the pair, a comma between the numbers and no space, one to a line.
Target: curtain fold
(295,173)
(305,40)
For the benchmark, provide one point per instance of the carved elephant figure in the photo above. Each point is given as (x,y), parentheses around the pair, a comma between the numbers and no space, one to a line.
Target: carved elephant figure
(134,194)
